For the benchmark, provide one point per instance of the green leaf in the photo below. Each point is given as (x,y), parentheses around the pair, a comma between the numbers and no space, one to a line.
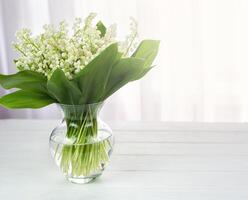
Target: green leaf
(147,50)
(100,26)
(126,70)
(62,89)
(142,73)
(93,78)
(25,99)
(26,80)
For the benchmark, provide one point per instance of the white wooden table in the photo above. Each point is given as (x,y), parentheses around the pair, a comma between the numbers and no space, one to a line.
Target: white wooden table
(165,161)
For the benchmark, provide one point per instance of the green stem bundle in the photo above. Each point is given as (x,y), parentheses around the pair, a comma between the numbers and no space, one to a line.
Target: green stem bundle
(88,154)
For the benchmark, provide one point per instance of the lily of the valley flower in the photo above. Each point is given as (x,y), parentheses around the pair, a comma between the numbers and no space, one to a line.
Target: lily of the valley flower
(71,52)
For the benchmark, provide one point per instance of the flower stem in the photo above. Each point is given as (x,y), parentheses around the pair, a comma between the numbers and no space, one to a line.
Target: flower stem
(87,154)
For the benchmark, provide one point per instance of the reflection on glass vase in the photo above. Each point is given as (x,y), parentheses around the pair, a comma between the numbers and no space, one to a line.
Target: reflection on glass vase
(82,144)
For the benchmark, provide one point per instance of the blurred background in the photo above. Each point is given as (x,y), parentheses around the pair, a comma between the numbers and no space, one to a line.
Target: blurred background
(202,65)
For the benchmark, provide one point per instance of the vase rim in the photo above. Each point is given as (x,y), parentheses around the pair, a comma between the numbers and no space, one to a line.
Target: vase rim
(81,105)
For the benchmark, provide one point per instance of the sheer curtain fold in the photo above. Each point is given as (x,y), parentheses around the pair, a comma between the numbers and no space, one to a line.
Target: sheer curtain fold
(200,72)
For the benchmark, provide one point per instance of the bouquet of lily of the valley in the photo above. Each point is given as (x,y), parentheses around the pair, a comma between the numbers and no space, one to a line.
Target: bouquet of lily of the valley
(82,66)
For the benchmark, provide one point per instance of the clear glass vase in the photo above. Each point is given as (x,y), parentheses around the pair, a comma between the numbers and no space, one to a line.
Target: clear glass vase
(82,144)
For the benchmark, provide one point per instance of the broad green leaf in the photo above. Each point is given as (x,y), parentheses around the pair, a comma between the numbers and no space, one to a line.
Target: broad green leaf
(26,80)
(100,26)
(25,99)
(62,89)
(142,73)
(147,50)
(126,70)
(93,78)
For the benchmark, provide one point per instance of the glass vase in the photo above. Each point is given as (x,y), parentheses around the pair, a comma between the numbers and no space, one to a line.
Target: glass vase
(82,144)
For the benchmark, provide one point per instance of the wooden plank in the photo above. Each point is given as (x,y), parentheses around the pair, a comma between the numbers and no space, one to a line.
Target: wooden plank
(140,163)
(181,149)
(20,124)
(176,179)
(133,179)
(181,137)
(94,192)
(126,148)
(147,137)
(179,163)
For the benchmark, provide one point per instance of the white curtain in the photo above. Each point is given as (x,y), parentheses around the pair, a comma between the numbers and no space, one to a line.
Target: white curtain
(202,66)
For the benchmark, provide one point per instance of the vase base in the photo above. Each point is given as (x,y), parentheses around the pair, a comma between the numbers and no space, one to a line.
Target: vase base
(80,180)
